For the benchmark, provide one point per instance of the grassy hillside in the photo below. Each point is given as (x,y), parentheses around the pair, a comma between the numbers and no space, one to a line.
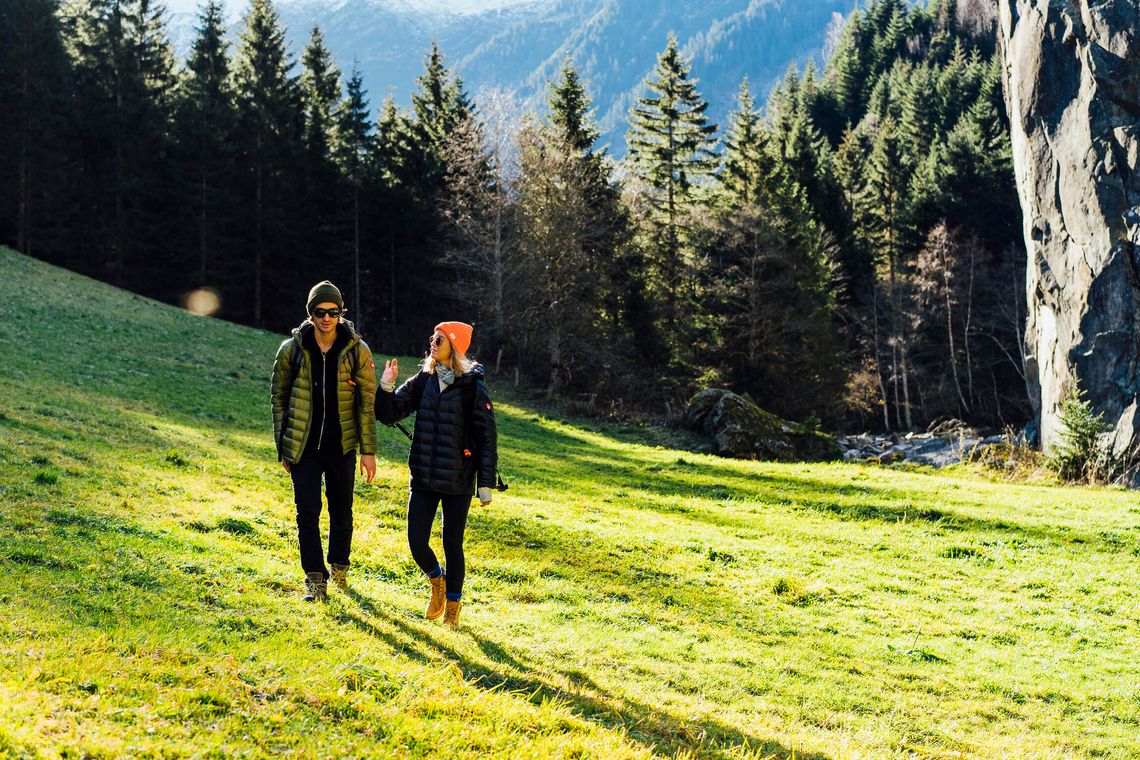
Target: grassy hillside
(624,600)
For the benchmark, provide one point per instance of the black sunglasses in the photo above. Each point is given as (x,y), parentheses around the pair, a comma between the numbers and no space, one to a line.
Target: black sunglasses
(435,340)
(319,312)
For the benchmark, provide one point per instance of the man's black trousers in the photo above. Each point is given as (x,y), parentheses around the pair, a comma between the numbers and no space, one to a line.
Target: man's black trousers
(339,474)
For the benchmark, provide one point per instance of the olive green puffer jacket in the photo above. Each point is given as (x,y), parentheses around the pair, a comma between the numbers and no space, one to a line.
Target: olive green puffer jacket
(292,406)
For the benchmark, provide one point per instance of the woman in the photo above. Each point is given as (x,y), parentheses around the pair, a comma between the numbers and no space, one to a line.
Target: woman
(453,449)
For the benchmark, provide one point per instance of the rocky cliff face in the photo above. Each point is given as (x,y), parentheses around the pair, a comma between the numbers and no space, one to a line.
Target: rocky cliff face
(1073,91)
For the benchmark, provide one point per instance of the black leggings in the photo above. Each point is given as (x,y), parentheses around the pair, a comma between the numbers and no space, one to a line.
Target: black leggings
(421,514)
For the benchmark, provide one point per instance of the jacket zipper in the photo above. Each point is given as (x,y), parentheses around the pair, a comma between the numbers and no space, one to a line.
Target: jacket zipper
(324,397)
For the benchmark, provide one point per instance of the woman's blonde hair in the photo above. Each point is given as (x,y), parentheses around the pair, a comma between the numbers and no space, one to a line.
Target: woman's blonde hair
(460,364)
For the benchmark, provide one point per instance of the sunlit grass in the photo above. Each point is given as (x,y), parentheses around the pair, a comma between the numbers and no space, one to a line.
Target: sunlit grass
(623,599)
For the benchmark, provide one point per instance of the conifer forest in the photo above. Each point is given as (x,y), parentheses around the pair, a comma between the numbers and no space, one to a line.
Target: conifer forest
(845,248)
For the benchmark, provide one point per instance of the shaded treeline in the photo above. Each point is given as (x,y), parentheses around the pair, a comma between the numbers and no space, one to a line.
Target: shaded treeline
(848,254)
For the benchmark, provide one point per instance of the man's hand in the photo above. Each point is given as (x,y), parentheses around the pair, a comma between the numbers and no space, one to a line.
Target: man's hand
(288,467)
(368,466)
(391,371)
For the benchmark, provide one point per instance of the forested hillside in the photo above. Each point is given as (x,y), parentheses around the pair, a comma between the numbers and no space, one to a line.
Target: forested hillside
(846,253)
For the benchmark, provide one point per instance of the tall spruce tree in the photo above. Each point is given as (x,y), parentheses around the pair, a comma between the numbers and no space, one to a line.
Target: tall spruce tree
(616,267)
(270,121)
(400,208)
(320,89)
(354,152)
(125,84)
(35,149)
(205,118)
(747,161)
(670,143)
(439,105)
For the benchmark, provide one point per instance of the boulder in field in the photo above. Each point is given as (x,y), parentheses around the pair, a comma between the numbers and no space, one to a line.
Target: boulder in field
(739,428)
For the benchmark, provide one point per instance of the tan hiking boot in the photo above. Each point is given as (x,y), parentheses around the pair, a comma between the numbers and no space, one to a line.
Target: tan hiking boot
(438,597)
(451,619)
(340,576)
(316,588)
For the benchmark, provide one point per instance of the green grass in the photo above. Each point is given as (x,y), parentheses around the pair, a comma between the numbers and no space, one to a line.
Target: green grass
(623,599)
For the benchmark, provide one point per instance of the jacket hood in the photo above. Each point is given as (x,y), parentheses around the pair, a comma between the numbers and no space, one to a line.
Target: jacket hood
(477,373)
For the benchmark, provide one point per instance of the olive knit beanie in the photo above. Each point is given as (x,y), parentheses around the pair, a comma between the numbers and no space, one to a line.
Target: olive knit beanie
(324,291)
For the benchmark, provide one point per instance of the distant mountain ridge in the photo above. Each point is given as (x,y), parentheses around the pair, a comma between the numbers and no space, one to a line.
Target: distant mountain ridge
(520,46)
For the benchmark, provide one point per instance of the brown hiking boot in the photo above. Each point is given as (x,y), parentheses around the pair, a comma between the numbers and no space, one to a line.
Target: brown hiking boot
(438,597)
(451,619)
(340,576)
(316,588)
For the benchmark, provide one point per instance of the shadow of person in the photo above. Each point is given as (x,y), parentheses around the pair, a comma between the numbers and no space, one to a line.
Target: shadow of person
(654,728)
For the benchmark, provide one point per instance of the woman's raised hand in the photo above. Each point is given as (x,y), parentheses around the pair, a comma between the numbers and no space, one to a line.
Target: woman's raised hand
(391,371)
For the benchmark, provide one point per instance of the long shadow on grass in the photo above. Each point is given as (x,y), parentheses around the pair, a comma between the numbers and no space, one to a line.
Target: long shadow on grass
(653,728)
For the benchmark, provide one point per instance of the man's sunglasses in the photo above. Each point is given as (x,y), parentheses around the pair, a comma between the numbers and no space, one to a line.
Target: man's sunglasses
(319,312)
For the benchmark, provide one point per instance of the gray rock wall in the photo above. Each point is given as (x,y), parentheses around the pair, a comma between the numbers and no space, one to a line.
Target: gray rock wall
(1073,92)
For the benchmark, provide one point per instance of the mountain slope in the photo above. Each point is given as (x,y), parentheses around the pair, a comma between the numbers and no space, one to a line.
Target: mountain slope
(521,46)
(625,600)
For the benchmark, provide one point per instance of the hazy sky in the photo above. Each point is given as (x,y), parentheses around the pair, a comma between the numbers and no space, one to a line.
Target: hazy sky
(237,7)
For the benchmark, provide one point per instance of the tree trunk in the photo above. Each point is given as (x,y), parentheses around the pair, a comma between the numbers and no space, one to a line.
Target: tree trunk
(878,359)
(555,358)
(950,336)
(966,332)
(258,225)
(391,283)
(202,216)
(357,301)
(22,211)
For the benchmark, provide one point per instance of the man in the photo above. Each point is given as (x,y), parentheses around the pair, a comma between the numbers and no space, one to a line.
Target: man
(324,390)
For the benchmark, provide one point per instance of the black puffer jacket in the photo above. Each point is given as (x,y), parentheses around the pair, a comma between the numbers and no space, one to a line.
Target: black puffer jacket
(446,455)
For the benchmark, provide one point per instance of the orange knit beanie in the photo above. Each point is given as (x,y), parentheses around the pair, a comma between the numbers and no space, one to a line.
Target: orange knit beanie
(458,334)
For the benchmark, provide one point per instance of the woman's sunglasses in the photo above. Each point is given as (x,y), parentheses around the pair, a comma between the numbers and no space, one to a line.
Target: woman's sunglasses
(435,340)
(319,312)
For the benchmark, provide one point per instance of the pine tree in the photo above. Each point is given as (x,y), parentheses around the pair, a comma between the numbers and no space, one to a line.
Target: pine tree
(398,216)
(320,91)
(614,265)
(846,72)
(747,163)
(478,238)
(891,42)
(354,152)
(125,82)
(271,122)
(570,110)
(205,118)
(35,149)
(920,116)
(439,104)
(888,232)
(856,260)
(670,150)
